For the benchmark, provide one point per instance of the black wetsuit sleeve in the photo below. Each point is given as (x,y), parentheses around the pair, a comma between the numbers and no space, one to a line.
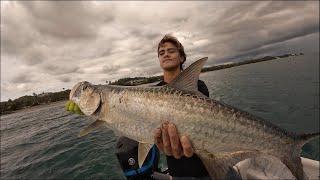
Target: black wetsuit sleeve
(193,166)
(186,167)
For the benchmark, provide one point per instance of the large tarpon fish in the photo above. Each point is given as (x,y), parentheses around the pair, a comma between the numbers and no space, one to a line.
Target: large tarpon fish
(221,135)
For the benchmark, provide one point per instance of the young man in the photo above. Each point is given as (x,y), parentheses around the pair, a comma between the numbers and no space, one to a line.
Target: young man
(181,160)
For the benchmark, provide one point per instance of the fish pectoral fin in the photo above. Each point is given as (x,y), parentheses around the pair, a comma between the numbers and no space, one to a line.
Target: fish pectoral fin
(220,166)
(143,150)
(187,80)
(91,127)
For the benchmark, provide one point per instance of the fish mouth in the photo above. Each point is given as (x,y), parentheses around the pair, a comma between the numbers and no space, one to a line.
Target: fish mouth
(75,92)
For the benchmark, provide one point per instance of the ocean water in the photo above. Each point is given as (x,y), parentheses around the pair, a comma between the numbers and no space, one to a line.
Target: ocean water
(42,142)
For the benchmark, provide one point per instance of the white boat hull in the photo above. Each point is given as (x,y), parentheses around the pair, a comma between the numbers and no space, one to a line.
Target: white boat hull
(268,167)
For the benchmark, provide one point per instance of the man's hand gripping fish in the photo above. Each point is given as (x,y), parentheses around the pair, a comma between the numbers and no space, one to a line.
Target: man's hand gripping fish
(221,135)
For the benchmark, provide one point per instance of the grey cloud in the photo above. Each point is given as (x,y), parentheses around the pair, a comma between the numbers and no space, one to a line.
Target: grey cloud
(80,71)
(110,69)
(181,19)
(148,59)
(246,29)
(147,33)
(55,69)
(51,23)
(21,78)
(106,52)
(146,52)
(15,35)
(34,60)
(273,7)
(242,9)
(110,40)
(65,79)
(66,19)
(312,28)
(151,35)
(33,57)
(305,44)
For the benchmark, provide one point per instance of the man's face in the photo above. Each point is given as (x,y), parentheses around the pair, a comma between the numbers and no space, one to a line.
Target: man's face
(169,57)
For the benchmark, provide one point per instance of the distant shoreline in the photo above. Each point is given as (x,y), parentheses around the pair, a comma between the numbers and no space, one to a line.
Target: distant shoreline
(26,102)
(35,107)
(234,64)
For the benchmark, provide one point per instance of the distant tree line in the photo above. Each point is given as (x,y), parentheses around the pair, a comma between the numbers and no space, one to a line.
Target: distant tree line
(29,101)
(128,81)
(224,66)
(266,58)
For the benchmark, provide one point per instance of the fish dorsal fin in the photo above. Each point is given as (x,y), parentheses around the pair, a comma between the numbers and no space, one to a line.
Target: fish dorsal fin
(143,150)
(187,80)
(91,127)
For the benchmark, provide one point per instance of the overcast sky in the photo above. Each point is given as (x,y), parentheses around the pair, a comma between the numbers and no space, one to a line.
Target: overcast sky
(47,46)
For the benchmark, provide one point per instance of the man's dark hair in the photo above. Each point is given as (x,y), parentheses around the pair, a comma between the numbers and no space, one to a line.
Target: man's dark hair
(176,43)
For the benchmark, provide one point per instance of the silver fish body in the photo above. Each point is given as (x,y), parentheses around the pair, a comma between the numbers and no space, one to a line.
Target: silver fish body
(221,135)
(212,126)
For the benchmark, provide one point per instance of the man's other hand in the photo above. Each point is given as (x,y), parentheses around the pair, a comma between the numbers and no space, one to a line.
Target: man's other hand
(73,107)
(168,141)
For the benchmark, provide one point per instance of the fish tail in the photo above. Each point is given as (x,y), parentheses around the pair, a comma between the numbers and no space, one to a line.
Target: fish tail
(294,164)
(302,139)
(293,160)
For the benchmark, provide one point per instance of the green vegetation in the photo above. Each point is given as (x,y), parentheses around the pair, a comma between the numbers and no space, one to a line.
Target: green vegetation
(136,81)
(29,101)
